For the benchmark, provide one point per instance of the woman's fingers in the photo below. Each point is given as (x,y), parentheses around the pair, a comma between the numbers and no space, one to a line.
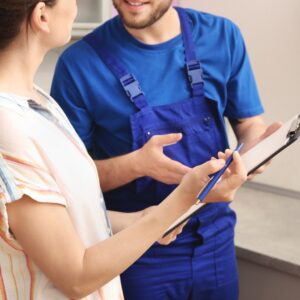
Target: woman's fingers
(172,236)
(232,179)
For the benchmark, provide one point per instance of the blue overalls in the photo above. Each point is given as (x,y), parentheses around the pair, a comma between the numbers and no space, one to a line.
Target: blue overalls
(201,263)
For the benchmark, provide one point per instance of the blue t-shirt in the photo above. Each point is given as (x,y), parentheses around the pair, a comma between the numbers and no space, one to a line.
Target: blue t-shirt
(97,106)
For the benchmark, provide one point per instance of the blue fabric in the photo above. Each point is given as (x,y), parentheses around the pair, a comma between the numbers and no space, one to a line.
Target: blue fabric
(110,124)
(202,139)
(200,272)
(194,70)
(94,101)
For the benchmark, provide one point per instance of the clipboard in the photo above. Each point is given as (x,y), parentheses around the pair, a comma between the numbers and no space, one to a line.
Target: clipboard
(254,158)
(272,145)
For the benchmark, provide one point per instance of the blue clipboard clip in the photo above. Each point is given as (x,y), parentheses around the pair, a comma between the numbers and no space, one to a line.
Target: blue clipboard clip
(215,177)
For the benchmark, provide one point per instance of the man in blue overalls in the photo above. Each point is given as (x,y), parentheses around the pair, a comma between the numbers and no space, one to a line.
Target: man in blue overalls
(150,72)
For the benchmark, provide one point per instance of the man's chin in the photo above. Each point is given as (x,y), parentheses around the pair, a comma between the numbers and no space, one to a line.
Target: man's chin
(136,25)
(138,22)
(144,18)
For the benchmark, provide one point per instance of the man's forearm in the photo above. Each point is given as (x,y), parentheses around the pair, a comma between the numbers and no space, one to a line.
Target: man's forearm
(118,171)
(248,130)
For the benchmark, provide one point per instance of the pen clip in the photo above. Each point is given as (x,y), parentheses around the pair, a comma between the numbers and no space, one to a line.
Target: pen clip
(295,128)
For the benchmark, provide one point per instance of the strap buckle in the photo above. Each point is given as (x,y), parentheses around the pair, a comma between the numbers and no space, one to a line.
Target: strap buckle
(131,86)
(195,72)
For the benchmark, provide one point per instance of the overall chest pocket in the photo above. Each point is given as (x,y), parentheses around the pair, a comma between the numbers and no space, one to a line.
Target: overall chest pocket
(199,139)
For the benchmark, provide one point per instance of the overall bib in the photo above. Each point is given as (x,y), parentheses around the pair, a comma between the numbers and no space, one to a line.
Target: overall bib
(201,263)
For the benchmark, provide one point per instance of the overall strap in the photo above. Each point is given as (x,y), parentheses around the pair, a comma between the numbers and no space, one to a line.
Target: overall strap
(193,67)
(128,81)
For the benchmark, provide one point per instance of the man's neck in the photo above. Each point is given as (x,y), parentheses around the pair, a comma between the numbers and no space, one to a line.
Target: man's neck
(166,28)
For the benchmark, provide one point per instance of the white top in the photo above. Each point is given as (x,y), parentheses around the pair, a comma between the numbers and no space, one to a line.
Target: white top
(43,157)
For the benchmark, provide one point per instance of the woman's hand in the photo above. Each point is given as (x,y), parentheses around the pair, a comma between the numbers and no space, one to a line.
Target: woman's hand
(226,188)
(231,181)
(172,236)
(189,188)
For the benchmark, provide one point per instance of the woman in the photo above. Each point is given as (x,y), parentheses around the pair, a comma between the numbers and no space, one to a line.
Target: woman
(56,239)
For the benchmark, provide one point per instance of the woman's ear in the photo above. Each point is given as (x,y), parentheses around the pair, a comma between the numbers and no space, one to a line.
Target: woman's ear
(39,20)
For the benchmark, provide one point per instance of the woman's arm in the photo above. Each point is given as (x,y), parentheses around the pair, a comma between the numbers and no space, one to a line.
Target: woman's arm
(120,221)
(48,237)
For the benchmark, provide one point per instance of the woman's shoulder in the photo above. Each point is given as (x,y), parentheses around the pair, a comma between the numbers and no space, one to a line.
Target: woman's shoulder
(12,107)
(14,124)
(12,113)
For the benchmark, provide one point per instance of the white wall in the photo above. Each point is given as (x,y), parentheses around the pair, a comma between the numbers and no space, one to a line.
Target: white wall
(271,29)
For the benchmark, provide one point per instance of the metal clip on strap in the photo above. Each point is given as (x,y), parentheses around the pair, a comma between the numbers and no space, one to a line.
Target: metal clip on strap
(195,72)
(131,86)
(294,131)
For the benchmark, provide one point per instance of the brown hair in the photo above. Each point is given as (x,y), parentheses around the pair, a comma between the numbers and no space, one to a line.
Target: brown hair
(12,15)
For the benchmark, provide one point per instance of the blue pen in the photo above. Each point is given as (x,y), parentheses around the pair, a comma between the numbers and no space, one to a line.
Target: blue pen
(215,177)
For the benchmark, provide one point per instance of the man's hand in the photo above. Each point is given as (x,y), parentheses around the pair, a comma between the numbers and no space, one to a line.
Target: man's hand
(269,130)
(151,160)
(251,131)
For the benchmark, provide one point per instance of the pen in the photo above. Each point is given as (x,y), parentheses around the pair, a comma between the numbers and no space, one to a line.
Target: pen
(215,177)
